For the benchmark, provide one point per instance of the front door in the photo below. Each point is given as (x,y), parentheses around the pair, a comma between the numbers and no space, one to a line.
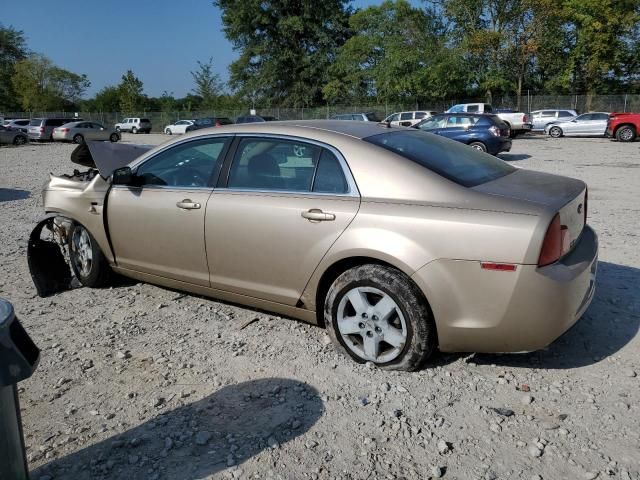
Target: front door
(157,225)
(283,205)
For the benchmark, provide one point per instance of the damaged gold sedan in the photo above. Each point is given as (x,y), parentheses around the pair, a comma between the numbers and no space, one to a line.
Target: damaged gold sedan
(398,241)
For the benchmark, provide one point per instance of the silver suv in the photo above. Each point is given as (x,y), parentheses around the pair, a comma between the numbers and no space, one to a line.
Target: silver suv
(42,128)
(541,118)
(134,125)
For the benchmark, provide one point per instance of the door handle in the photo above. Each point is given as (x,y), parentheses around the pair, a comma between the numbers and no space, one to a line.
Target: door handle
(187,204)
(317,215)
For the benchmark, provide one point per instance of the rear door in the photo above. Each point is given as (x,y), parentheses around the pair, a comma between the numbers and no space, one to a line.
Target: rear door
(406,119)
(281,205)
(157,225)
(457,128)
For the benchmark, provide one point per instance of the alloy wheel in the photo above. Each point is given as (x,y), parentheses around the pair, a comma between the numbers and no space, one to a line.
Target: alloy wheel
(83,253)
(371,324)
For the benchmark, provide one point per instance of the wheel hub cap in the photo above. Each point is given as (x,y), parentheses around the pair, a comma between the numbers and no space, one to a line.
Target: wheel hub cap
(81,245)
(371,324)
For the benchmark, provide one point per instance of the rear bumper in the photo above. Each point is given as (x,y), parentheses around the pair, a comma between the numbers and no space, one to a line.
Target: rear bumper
(479,310)
(499,145)
(61,136)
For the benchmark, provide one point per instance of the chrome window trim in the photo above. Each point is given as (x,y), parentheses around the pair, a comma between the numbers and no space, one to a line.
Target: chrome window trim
(346,171)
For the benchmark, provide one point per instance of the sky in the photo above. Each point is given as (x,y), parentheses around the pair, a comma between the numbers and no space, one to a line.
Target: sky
(160,40)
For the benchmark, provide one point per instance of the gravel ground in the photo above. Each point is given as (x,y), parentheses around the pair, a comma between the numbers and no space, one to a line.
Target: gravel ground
(138,381)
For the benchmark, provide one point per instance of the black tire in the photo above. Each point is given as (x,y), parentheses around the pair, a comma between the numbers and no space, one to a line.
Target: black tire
(114,137)
(421,336)
(478,146)
(555,132)
(78,139)
(98,274)
(134,130)
(168,131)
(20,140)
(626,133)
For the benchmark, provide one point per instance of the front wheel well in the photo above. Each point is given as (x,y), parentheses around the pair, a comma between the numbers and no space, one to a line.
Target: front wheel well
(337,269)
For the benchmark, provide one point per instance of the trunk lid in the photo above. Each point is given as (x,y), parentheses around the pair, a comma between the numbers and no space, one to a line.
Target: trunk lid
(563,195)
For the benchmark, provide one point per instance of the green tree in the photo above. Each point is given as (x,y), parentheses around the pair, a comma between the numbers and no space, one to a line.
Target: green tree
(12,49)
(130,91)
(40,85)
(285,46)
(208,86)
(397,53)
(107,99)
(599,32)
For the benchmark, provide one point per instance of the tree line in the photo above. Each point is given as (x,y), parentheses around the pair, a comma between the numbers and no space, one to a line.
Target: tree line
(303,53)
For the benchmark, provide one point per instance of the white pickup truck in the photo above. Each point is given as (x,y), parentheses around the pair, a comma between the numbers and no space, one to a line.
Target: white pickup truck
(518,122)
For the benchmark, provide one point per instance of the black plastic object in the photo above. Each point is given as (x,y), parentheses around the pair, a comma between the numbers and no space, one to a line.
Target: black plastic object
(19,358)
(49,270)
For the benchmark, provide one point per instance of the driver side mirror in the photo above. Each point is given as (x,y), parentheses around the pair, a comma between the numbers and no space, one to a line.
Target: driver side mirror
(122,176)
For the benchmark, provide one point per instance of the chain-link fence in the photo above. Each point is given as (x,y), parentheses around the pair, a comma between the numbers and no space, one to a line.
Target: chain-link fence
(528,103)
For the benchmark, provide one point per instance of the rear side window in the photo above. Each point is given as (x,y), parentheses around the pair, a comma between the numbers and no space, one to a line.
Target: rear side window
(329,176)
(448,158)
(272,164)
(145,120)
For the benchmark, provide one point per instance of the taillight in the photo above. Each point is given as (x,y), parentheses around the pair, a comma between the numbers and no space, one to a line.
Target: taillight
(65,130)
(552,245)
(525,119)
(495,131)
(218,124)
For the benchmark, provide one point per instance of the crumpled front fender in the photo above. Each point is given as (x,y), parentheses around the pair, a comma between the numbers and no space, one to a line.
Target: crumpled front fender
(49,269)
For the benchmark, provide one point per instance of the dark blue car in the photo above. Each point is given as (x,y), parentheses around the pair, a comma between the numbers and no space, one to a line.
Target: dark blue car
(484,132)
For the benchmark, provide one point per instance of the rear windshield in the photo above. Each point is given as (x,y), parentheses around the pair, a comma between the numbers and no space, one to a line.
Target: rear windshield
(56,122)
(372,117)
(35,122)
(448,158)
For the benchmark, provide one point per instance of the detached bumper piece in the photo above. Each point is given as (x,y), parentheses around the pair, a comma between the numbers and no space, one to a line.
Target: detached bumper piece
(49,269)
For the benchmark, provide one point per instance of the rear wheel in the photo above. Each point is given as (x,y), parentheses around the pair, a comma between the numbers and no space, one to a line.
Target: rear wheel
(555,132)
(87,261)
(114,137)
(134,130)
(20,140)
(78,138)
(375,313)
(626,134)
(478,146)
(168,131)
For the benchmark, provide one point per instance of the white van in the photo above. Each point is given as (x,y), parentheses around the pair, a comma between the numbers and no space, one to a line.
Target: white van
(408,119)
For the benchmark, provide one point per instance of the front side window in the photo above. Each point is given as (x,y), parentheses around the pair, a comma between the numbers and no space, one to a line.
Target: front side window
(273,164)
(448,158)
(432,123)
(584,118)
(189,164)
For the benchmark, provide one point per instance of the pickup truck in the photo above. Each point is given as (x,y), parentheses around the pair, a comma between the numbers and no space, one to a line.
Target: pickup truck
(518,122)
(623,126)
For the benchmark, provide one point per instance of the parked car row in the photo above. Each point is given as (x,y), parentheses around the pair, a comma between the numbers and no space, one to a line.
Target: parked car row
(185,126)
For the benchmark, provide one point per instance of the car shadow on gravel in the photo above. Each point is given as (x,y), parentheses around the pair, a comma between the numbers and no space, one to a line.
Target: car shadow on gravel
(611,322)
(199,439)
(10,194)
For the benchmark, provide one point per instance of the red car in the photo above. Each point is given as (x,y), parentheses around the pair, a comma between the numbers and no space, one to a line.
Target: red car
(623,126)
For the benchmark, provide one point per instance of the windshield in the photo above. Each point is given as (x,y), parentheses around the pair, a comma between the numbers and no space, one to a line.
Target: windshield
(448,158)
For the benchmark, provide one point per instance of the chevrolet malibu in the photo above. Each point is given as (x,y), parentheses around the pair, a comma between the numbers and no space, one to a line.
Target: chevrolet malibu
(398,241)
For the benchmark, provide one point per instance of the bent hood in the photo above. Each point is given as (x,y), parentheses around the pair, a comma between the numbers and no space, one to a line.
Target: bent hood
(107,156)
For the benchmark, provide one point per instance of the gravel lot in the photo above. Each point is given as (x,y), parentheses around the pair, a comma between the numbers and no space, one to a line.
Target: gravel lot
(139,382)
